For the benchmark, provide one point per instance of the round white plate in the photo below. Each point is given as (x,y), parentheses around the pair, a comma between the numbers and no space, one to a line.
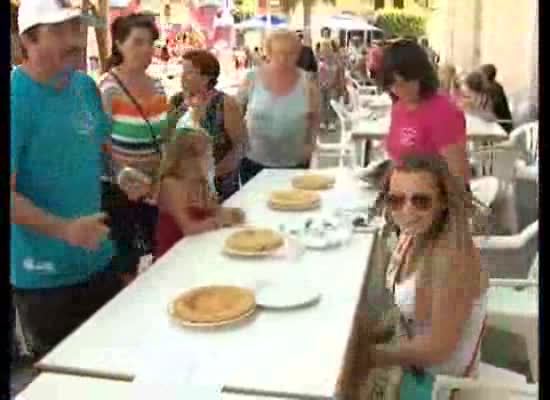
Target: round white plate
(334,239)
(283,295)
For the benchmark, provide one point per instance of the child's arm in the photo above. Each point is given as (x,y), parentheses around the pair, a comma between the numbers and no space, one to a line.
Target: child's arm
(172,201)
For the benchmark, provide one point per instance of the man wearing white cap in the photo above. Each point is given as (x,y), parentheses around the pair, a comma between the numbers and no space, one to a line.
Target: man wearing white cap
(61,261)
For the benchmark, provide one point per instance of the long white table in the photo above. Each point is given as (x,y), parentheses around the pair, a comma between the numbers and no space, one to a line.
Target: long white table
(297,353)
(49,386)
(477,129)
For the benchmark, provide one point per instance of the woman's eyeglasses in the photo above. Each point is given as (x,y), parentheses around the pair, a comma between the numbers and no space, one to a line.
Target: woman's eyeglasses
(420,201)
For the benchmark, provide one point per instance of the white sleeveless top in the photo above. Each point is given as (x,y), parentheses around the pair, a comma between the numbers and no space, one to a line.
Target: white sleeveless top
(458,361)
(277,125)
(404,294)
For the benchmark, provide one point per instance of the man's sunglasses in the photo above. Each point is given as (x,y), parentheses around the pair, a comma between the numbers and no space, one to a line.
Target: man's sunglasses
(420,201)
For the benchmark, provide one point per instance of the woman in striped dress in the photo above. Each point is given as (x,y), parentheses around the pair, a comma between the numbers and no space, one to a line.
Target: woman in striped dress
(137,105)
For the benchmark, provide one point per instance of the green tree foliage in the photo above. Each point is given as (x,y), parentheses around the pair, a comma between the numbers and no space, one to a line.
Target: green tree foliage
(244,8)
(399,23)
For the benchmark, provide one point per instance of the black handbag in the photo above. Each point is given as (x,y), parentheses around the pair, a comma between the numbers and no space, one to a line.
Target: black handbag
(128,219)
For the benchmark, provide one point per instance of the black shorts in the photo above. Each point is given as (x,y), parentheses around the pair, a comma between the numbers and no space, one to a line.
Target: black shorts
(49,315)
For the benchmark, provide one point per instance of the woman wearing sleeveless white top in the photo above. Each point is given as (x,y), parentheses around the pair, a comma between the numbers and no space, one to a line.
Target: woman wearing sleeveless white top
(282,109)
(435,276)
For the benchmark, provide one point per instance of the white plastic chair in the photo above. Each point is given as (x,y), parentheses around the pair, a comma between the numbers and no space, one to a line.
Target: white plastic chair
(513,307)
(526,137)
(358,106)
(344,149)
(487,385)
(509,257)
(499,161)
(481,389)
(362,89)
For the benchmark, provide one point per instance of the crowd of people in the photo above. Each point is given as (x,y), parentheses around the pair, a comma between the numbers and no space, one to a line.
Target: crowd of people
(79,230)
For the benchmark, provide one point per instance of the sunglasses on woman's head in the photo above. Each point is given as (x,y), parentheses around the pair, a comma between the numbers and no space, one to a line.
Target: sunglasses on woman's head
(420,201)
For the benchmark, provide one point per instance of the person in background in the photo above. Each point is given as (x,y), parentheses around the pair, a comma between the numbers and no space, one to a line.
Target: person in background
(137,106)
(257,58)
(165,57)
(501,109)
(475,97)
(282,109)
(423,120)
(306,59)
(222,117)
(331,83)
(62,264)
(354,50)
(374,58)
(335,48)
(432,55)
(435,276)
(325,33)
(448,79)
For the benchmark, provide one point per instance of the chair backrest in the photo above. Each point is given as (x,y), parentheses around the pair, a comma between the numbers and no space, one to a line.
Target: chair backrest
(509,256)
(496,393)
(526,136)
(498,161)
(353,97)
(484,389)
(368,90)
(343,117)
(534,270)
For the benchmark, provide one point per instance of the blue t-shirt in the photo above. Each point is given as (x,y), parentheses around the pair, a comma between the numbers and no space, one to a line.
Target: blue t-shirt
(56,137)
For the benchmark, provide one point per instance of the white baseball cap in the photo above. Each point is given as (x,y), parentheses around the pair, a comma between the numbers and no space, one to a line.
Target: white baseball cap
(35,12)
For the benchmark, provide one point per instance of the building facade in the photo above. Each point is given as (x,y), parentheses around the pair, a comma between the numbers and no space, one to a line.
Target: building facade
(468,33)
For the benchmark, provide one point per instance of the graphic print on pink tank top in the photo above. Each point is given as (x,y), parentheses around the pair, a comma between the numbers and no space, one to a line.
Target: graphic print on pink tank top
(435,124)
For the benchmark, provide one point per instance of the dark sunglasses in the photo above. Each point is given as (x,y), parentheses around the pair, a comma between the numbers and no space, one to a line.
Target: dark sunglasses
(420,201)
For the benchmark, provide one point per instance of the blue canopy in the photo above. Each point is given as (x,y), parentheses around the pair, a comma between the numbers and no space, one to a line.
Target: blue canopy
(262,22)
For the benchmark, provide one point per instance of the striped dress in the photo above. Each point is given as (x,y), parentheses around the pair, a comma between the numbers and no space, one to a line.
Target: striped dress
(132,138)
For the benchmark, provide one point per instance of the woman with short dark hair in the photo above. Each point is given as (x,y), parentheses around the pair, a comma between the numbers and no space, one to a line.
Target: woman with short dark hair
(221,117)
(423,119)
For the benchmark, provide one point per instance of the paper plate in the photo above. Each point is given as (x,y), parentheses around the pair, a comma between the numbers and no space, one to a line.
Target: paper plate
(284,295)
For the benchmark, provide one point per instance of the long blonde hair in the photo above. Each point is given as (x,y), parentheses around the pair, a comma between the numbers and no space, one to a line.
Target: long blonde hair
(184,159)
(459,206)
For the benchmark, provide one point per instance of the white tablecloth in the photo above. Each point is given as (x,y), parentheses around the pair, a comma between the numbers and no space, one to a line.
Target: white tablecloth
(293,353)
(49,386)
(477,129)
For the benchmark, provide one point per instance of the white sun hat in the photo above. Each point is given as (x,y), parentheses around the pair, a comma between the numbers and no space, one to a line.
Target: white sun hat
(35,12)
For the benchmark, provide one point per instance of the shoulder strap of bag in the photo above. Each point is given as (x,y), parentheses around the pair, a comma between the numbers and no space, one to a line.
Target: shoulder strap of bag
(139,108)
(470,366)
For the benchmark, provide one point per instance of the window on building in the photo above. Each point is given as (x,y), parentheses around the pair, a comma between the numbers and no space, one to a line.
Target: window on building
(399,4)
(378,4)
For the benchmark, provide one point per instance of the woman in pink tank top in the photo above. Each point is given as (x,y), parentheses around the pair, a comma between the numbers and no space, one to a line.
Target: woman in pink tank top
(423,118)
